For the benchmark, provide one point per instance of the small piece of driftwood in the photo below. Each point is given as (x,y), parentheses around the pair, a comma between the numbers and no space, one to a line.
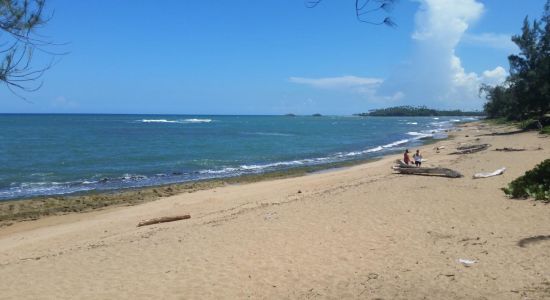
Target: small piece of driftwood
(471,149)
(162,220)
(485,175)
(503,133)
(507,149)
(403,168)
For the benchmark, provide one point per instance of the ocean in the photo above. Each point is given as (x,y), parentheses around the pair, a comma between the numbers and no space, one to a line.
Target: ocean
(54,154)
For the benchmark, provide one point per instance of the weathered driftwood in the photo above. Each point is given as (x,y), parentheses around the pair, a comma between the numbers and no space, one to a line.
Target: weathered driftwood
(402,164)
(162,220)
(485,175)
(507,149)
(403,168)
(471,149)
(503,133)
(444,172)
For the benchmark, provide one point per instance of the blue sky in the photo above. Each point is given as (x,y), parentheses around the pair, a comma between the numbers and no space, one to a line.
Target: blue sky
(270,57)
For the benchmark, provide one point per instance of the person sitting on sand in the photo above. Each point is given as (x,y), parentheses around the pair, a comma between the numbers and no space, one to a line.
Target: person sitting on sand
(417,158)
(406,158)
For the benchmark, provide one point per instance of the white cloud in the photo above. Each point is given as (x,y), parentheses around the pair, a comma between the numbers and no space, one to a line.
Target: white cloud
(436,72)
(343,82)
(365,86)
(445,20)
(491,40)
(496,76)
(63,102)
(434,75)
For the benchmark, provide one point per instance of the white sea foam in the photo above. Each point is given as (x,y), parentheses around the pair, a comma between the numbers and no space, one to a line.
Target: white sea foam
(412,123)
(256,168)
(356,153)
(176,121)
(436,118)
(419,135)
(40,188)
(158,121)
(455,120)
(375,149)
(353,153)
(271,165)
(440,124)
(127,177)
(397,143)
(197,120)
(221,171)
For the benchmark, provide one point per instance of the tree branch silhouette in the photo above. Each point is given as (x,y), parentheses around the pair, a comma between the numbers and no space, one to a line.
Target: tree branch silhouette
(19,20)
(366,10)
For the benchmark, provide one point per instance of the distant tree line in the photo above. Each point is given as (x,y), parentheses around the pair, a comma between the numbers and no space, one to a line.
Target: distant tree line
(419,111)
(526,92)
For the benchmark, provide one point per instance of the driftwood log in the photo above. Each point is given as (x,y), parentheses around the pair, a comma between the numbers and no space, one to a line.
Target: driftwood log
(403,168)
(471,149)
(443,172)
(162,220)
(503,133)
(506,149)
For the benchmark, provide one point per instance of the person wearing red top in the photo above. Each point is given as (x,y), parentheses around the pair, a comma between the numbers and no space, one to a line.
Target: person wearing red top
(406,157)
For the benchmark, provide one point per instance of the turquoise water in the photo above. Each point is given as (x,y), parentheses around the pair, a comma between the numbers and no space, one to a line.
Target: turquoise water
(61,154)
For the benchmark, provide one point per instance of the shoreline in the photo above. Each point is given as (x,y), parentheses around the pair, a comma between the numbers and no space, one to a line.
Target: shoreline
(359,232)
(34,208)
(72,174)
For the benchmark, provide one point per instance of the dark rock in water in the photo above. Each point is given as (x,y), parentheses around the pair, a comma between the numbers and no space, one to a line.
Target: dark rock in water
(317,115)
(103,180)
(177,173)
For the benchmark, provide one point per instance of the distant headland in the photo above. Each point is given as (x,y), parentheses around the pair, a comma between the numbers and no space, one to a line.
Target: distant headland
(419,111)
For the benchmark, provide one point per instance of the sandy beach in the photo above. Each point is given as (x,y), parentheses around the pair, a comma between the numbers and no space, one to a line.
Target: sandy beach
(361,232)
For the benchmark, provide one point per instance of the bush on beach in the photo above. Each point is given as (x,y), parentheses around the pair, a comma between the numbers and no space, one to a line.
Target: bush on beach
(534,183)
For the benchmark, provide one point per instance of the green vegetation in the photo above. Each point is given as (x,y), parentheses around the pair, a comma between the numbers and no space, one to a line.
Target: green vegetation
(524,98)
(534,183)
(525,95)
(420,111)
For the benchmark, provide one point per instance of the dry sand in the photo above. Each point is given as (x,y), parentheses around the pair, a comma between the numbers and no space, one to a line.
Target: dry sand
(355,233)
